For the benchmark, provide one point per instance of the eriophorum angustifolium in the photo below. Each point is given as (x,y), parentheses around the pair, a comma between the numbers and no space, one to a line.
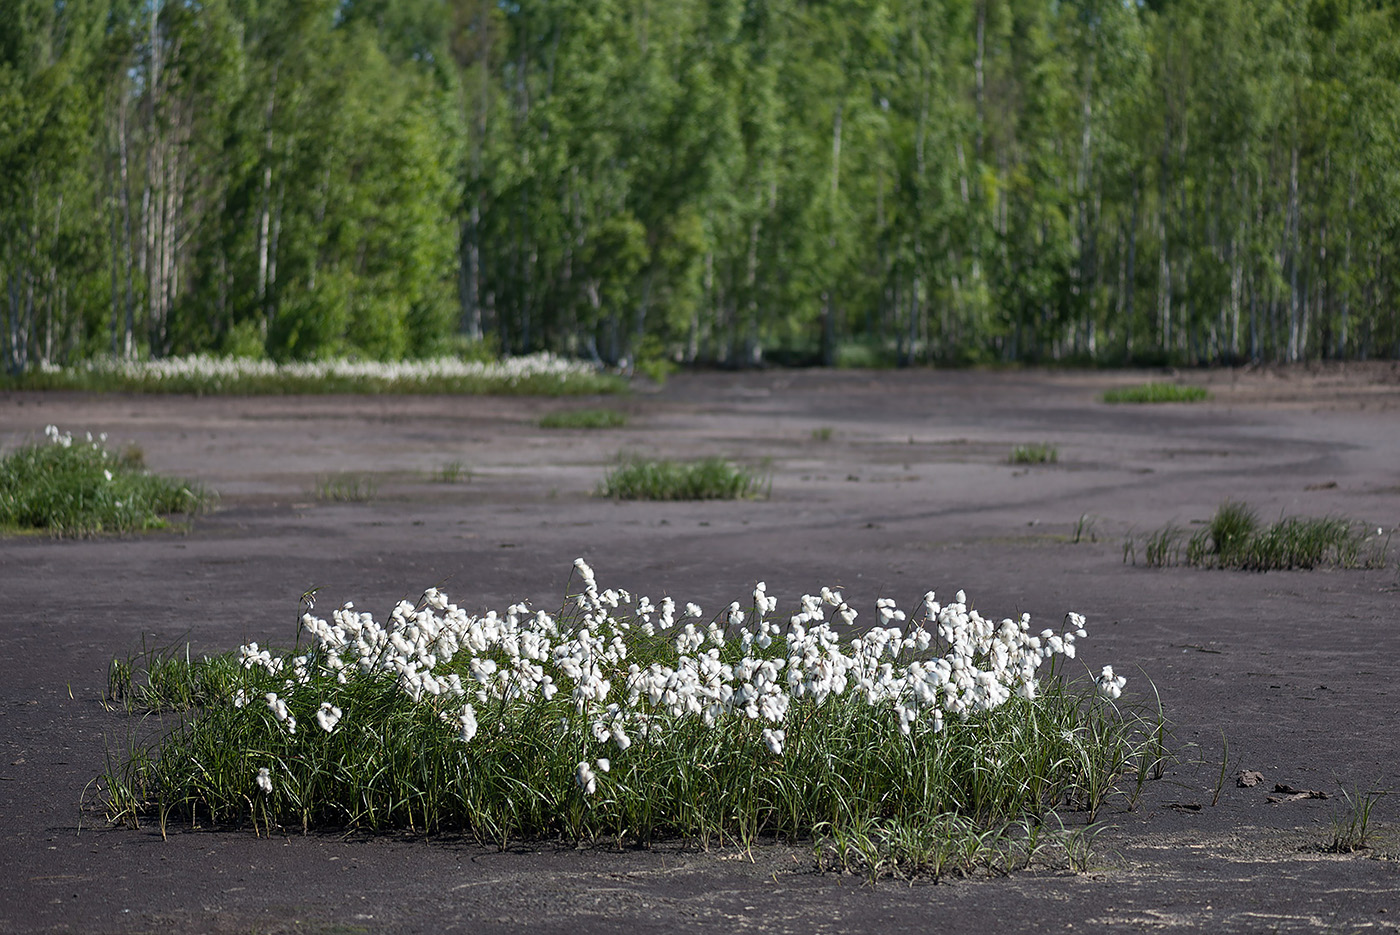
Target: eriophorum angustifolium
(70,486)
(541,373)
(626,718)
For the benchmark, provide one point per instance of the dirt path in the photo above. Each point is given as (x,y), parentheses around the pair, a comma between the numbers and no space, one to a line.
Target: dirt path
(910,491)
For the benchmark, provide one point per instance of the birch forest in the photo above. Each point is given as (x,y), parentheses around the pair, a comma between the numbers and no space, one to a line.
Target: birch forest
(725,182)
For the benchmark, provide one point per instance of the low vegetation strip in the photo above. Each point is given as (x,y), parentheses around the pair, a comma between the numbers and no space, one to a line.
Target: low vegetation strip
(629,720)
(584,419)
(1235,538)
(76,487)
(708,479)
(1157,393)
(542,374)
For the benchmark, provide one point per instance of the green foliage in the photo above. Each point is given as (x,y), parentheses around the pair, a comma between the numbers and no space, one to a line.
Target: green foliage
(1163,547)
(707,479)
(346,487)
(865,355)
(1352,829)
(453,472)
(584,419)
(169,679)
(80,488)
(1234,538)
(1157,393)
(1038,453)
(980,791)
(852,184)
(1231,530)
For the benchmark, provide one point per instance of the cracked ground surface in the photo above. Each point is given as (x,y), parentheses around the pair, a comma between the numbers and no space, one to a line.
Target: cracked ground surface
(910,489)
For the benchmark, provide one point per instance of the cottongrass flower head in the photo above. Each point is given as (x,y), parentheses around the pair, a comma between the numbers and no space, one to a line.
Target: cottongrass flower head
(328,715)
(1109,685)
(585,777)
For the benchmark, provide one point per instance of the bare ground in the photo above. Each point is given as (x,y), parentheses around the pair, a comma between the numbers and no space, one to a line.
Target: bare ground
(912,490)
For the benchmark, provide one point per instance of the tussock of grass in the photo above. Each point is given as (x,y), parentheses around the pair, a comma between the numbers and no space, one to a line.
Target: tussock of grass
(358,745)
(346,488)
(1043,453)
(73,487)
(453,472)
(709,479)
(584,419)
(1352,829)
(1157,393)
(1235,538)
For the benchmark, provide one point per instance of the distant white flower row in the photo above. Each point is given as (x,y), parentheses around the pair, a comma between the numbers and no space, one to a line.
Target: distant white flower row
(208,367)
(626,671)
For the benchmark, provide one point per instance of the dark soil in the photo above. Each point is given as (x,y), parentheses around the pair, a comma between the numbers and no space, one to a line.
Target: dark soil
(912,490)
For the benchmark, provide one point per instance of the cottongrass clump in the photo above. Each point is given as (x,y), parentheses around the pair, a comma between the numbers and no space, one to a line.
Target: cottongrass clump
(630,720)
(543,374)
(75,487)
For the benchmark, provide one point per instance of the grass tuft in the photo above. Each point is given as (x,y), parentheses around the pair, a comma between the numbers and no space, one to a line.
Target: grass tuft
(1157,393)
(453,472)
(1042,453)
(584,419)
(1235,538)
(347,487)
(1352,829)
(75,487)
(708,479)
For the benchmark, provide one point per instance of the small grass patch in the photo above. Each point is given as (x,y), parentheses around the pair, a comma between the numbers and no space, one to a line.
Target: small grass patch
(453,472)
(584,419)
(625,721)
(1352,829)
(822,433)
(1157,393)
(708,479)
(1235,538)
(346,487)
(76,487)
(1043,453)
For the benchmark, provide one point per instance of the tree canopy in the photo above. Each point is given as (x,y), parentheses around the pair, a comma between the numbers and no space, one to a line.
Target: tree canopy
(721,181)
